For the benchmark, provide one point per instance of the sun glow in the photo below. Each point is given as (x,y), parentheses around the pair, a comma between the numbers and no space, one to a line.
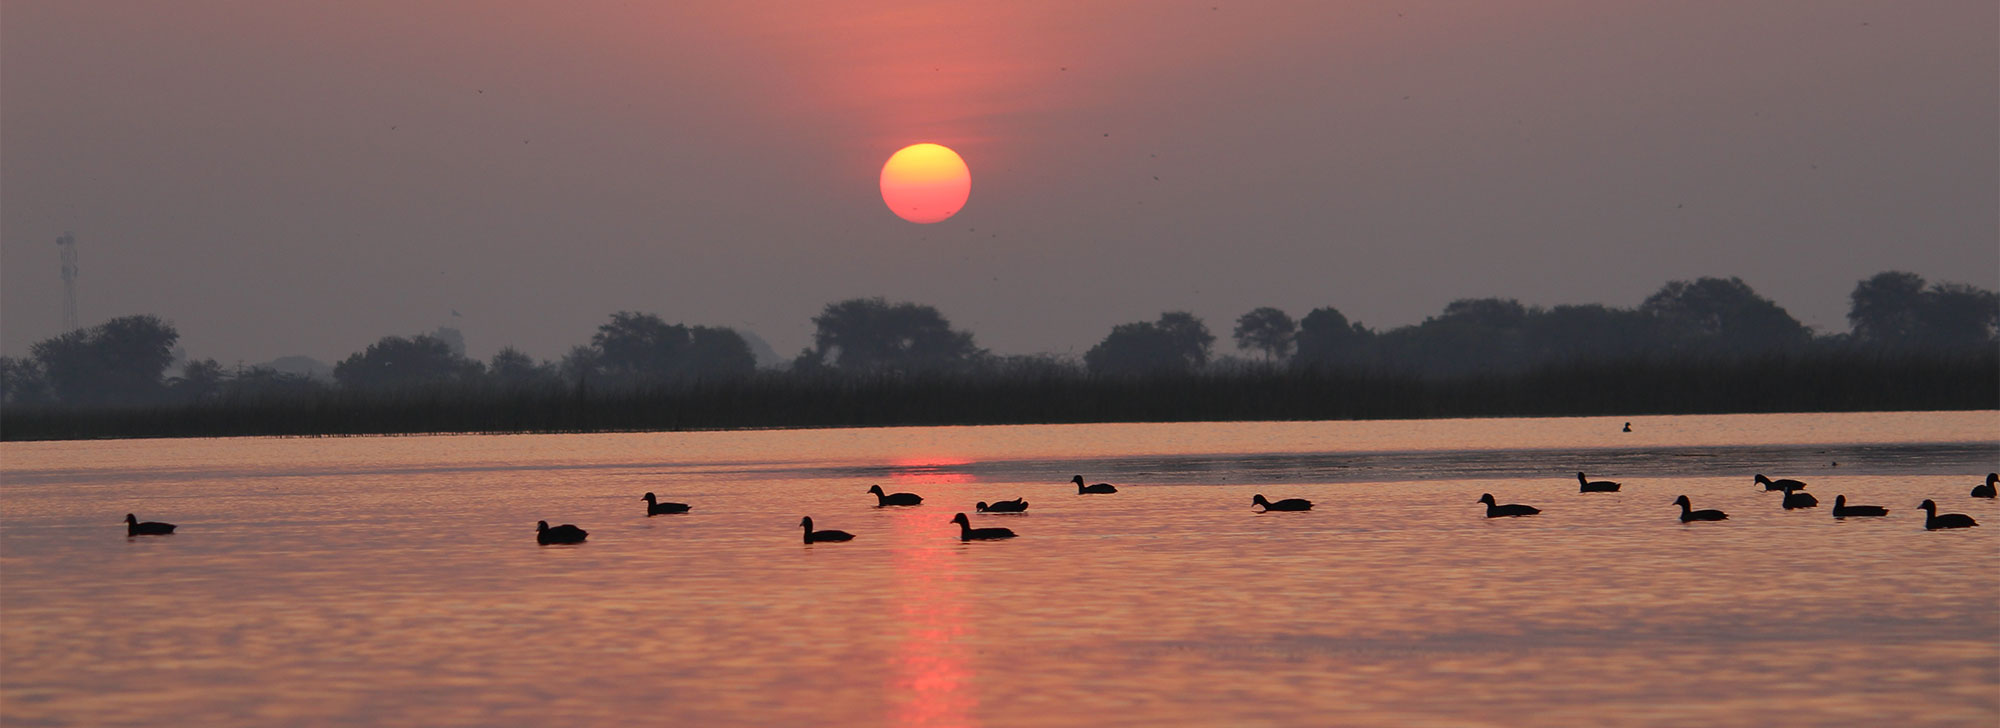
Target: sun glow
(925,183)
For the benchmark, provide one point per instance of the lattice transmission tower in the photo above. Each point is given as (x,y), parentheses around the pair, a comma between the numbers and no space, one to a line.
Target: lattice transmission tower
(68,245)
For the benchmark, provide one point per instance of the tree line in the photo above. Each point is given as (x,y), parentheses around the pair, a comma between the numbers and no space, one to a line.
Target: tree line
(1685,326)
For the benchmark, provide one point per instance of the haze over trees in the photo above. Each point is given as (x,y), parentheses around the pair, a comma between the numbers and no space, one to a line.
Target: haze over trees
(1906,332)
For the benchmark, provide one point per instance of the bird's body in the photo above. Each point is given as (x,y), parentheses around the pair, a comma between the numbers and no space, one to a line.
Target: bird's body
(1595,486)
(1093,488)
(894,499)
(1987,490)
(565,533)
(1779,484)
(1796,499)
(967,533)
(1016,505)
(135,527)
(1288,504)
(1842,510)
(1494,510)
(654,507)
(1689,514)
(1934,521)
(827,536)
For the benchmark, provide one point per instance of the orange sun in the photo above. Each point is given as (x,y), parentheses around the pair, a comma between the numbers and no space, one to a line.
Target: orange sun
(925,183)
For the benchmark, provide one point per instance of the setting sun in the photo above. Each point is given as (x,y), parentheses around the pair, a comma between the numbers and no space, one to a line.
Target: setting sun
(925,183)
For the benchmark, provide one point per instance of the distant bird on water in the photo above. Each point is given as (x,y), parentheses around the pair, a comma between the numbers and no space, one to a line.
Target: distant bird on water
(1689,514)
(1779,484)
(1933,521)
(1016,505)
(1094,488)
(1842,510)
(829,536)
(967,533)
(654,507)
(894,499)
(1986,491)
(1511,509)
(1628,427)
(135,527)
(1595,486)
(560,534)
(1796,499)
(1288,504)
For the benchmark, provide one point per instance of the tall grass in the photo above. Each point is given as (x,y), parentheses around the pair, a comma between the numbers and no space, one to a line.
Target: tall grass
(1818,382)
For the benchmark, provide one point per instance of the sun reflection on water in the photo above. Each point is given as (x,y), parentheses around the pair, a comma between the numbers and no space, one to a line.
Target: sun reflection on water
(931,678)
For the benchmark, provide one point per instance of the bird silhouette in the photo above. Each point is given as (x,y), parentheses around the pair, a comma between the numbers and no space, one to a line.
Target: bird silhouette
(565,533)
(1595,486)
(1016,505)
(1093,488)
(894,499)
(654,507)
(1288,504)
(1934,521)
(829,536)
(967,533)
(135,527)
(1779,484)
(1842,510)
(1688,514)
(1494,510)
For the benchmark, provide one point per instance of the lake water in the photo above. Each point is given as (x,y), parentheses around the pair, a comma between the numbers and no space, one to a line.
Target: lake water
(396,581)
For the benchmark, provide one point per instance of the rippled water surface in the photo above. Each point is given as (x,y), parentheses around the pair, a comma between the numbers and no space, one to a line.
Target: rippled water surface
(396,581)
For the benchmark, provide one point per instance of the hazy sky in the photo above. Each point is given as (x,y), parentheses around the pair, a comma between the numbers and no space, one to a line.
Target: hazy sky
(305,177)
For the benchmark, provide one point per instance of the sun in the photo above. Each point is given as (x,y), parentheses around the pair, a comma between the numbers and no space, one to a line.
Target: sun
(925,183)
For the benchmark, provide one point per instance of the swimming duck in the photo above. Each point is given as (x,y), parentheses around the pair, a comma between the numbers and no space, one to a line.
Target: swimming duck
(654,508)
(813,536)
(1511,509)
(1628,427)
(967,533)
(135,527)
(1779,484)
(894,499)
(1842,510)
(1795,499)
(1986,491)
(1687,514)
(1933,521)
(1288,504)
(1016,505)
(560,534)
(1595,486)
(1096,488)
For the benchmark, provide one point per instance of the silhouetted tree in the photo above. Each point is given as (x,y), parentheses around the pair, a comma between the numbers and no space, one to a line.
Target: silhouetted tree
(1326,338)
(1268,330)
(1893,309)
(510,367)
(21,382)
(395,362)
(1590,332)
(1177,343)
(200,380)
(864,335)
(1723,316)
(1883,310)
(120,360)
(639,348)
(268,384)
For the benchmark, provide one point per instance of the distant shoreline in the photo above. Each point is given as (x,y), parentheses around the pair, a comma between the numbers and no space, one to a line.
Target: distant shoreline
(789,401)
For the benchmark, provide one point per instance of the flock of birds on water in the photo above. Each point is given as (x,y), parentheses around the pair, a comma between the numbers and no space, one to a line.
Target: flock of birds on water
(1795,498)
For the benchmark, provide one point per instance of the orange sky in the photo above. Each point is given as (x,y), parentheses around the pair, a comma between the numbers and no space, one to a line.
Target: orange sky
(371,166)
